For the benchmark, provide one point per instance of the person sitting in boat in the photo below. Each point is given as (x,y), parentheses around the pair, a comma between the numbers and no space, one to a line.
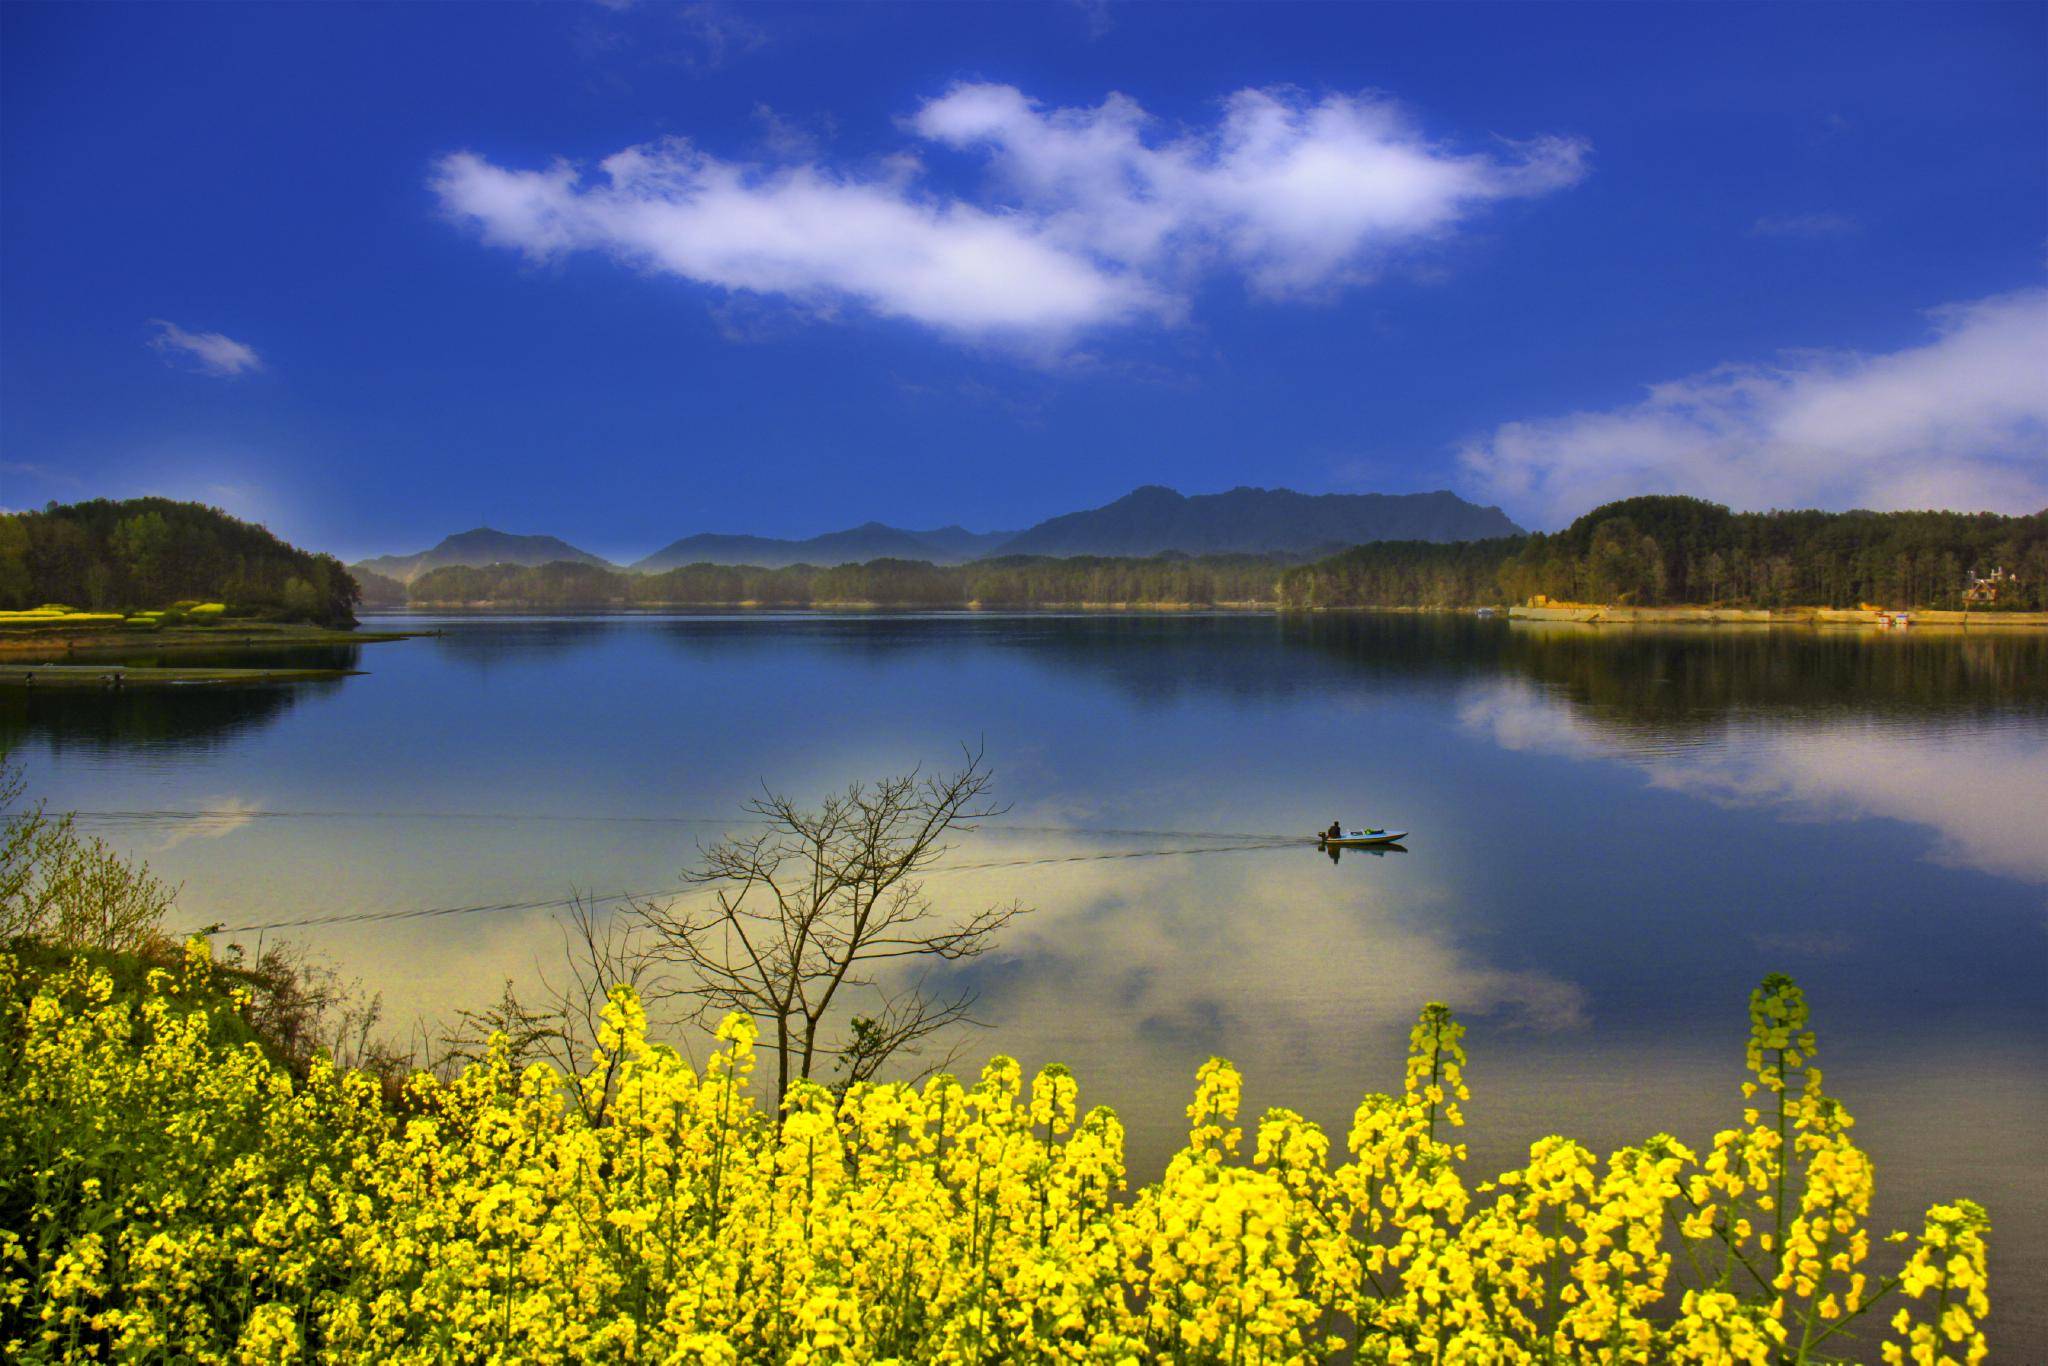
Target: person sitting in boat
(1335,832)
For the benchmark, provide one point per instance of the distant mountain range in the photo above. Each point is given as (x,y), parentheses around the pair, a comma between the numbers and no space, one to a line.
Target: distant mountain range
(1150,521)
(480,547)
(1154,520)
(868,541)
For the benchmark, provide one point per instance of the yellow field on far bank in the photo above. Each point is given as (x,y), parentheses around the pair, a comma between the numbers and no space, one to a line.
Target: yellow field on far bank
(1607,615)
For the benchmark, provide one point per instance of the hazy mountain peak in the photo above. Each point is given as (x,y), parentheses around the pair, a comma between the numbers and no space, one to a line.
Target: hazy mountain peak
(1154,519)
(478,547)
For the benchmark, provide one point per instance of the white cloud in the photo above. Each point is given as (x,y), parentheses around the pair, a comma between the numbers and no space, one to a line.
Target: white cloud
(1090,216)
(211,352)
(718,34)
(1095,13)
(802,232)
(1297,195)
(792,139)
(1960,421)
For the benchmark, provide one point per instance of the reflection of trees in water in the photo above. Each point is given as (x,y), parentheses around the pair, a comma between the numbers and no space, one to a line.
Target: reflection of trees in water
(1660,677)
(1157,660)
(1642,677)
(1681,678)
(143,718)
(1255,658)
(1151,658)
(483,641)
(711,637)
(258,657)
(1667,679)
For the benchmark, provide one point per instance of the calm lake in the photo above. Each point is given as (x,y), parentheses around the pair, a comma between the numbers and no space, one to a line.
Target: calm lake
(1615,835)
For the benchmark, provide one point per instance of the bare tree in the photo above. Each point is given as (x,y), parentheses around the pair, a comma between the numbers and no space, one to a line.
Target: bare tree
(600,951)
(801,915)
(559,1022)
(530,1033)
(900,1021)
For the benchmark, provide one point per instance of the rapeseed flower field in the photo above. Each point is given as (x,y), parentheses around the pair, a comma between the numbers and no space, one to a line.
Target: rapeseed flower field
(168,1193)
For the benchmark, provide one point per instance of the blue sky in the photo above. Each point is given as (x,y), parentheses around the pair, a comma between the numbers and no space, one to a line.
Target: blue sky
(375,274)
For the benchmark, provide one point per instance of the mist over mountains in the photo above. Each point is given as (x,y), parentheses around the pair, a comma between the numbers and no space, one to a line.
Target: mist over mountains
(1152,520)
(479,547)
(868,541)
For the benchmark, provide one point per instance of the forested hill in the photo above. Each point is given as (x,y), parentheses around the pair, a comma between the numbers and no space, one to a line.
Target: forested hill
(1658,551)
(1153,520)
(378,590)
(143,553)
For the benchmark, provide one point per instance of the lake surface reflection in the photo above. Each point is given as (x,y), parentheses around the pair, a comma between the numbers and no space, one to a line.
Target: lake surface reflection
(1615,836)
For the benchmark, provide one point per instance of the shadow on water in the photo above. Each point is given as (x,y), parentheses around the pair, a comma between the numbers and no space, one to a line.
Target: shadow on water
(210,717)
(1338,851)
(144,718)
(1669,676)
(1150,659)
(1682,677)
(1662,677)
(514,639)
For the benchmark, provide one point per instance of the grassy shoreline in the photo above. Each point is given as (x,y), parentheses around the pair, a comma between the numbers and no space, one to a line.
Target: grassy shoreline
(117,677)
(99,638)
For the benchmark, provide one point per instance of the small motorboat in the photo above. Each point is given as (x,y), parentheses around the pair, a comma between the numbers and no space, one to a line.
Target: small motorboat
(1358,839)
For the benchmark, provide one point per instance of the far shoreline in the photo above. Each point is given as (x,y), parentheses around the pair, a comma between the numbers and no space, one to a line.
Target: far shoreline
(1587,614)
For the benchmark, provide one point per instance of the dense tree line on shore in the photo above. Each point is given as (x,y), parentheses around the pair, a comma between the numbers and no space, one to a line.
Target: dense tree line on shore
(1403,574)
(1013,582)
(1669,550)
(1672,550)
(144,553)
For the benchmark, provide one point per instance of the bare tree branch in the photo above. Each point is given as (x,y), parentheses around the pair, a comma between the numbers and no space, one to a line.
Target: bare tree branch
(792,917)
(600,951)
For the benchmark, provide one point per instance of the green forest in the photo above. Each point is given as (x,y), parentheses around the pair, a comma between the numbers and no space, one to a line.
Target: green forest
(1013,582)
(1642,551)
(1669,550)
(123,555)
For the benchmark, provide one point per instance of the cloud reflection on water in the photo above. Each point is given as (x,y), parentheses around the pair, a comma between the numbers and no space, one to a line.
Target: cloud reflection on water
(223,816)
(1981,791)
